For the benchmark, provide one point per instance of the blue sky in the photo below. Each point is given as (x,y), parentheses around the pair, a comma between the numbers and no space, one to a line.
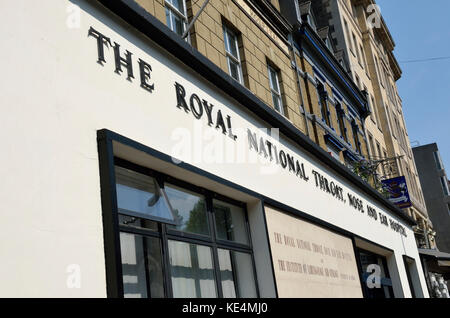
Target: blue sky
(420,30)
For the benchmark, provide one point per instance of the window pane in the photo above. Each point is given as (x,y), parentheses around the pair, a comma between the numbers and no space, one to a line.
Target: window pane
(141,266)
(177,24)
(177,4)
(274,80)
(232,44)
(230,222)
(236,271)
(226,40)
(444,185)
(234,70)
(192,270)
(189,210)
(437,158)
(168,20)
(140,193)
(276,102)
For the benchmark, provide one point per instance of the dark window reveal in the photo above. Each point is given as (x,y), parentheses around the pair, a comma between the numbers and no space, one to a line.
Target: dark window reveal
(369,259)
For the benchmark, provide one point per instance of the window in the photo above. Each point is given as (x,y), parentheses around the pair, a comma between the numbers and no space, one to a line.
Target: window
(356,48)
(358,82)
(364,58)
(349,40)
(444,184)
(232,53)
(378,70)
(341,116)
(140,195)
(372,149)
(323,105)
(178,240)
(176,17)
(355,130)
(410,271)
(370,259)
(141,266)
(375,109)
(380,156)
(275,90)
(361,53)
(437,159)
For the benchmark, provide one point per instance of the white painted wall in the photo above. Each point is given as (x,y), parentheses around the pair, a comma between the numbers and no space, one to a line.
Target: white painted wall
(55,96)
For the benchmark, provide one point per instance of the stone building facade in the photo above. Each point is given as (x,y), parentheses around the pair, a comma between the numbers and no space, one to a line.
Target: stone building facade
(364,47)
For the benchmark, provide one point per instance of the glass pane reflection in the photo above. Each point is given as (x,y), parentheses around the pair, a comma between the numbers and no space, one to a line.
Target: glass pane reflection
(140,193)
(236,274)
(189,210)
(230,222)
(141,266)
(191,268)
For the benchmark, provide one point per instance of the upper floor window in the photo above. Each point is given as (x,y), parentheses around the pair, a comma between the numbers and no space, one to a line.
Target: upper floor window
(437,159)
(356,48)
(323,98)
(355,130)
(232,53)
(275,90)
(358,82)
(176,16)
(348,35)
(444,184)
(341,116)
(363,56)
(375,110)
(372,149)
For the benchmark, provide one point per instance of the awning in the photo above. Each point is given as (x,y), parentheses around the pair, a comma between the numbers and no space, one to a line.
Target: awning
(441,256)
(437,262)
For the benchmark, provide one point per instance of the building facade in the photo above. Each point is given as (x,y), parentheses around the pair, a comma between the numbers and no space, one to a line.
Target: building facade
(434,180)
(364,47)
(212,161)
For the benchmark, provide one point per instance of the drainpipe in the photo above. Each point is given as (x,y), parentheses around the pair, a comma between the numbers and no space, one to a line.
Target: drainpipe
(302,104)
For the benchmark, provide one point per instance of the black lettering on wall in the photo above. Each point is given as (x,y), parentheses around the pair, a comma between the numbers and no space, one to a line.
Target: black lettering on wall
(283,159)
(145,69)
(208,110)
(181,95)
(123,61)
(291,162)
(220,123)
(196,100)
(230,129)
(102,41)
(252,140)
(262,148)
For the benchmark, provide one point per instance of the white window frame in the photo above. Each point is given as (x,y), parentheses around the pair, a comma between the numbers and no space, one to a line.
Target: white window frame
(174,11)
(229,55)
(275,90)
